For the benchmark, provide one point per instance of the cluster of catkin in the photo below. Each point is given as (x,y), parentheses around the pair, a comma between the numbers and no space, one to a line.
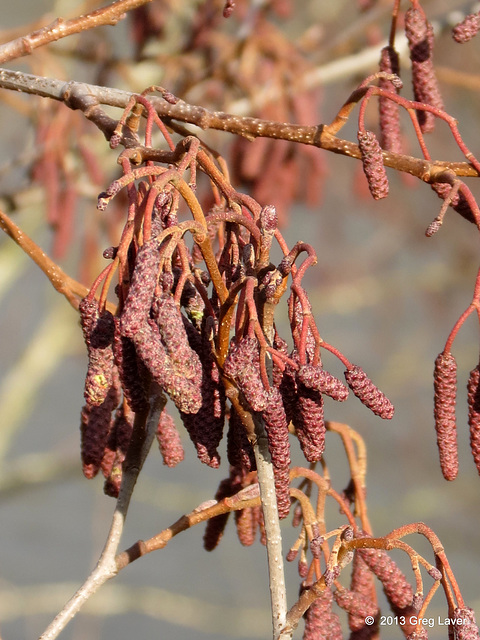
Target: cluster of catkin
(445,386)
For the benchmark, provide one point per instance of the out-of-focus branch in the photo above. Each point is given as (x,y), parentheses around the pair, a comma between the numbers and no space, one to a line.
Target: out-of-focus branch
(61,28)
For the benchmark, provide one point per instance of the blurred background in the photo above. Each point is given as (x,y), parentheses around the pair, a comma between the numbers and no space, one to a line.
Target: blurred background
(382,293)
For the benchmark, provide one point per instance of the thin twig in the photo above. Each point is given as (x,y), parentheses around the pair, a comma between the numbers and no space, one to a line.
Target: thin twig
(143,434)
(61,28)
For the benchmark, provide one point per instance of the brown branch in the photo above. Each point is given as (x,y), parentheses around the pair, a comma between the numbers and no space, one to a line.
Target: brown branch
(61,28)
(77,95)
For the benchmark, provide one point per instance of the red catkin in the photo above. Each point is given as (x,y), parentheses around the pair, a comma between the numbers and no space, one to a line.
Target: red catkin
(368,393)
(243,365)
(467,29)
(362,583)
(373,167)
(247,525)
(277,432)
(309,423)
(169,441)
(355,603)
(420,38)
(473,388)
(389,116)
(321,622)
(445,387)
(398,591)
(467,629)
(320,380)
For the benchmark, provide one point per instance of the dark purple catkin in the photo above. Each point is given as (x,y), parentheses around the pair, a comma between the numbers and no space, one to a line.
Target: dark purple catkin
(278,444)
(309,423)
(118,440)
(467,29)
(142,287)
(239,450)
(321,622)
(368,393)
(473,388)
(320,380)
(242,364)
(185,393)
(445,386)
(466,629)
(372,160)
(96,421)
(389,116)
(131,371)
(98,331)
(205,427)
(216,526)
(420,38)
(169,441)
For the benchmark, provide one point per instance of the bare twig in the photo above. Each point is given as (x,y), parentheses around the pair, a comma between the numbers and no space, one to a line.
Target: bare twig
(143,434)
(60,28)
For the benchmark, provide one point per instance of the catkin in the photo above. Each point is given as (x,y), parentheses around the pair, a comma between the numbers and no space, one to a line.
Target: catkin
(320,380)
(466,629)
(473,388)
(389,116)
(420,38)
(321,622)
(398,591)
(169,441)
(372,160)
(368,393)
(467,29)
(309,423)
(445,386)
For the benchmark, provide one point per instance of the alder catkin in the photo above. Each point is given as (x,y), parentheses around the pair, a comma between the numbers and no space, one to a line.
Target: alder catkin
(372,160)
(368,393)
(396,587)
(169,441)
(473,388)
(314,377)
(467,29)
(420,38)
(321,621)
(389,115)
(362,583)
(309,423)
(466,629)
(445,387)
(355,603)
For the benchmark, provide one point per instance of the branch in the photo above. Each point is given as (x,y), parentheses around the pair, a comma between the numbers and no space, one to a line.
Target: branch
(78,95)
(143,434)
(61,28)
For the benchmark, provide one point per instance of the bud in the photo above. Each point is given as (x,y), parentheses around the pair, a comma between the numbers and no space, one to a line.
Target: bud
(445,385)
(368,393)
(373,167)
(473,388)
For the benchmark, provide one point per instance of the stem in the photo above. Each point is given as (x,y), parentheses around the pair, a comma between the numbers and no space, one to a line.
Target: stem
(143,434)
(278,594)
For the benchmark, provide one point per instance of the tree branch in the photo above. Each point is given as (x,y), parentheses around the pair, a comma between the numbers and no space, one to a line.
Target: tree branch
(78,95)
(61,28)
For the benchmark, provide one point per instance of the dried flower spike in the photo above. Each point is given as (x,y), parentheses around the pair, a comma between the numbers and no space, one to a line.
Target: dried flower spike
(373,167)
(368,393)
(445,385)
